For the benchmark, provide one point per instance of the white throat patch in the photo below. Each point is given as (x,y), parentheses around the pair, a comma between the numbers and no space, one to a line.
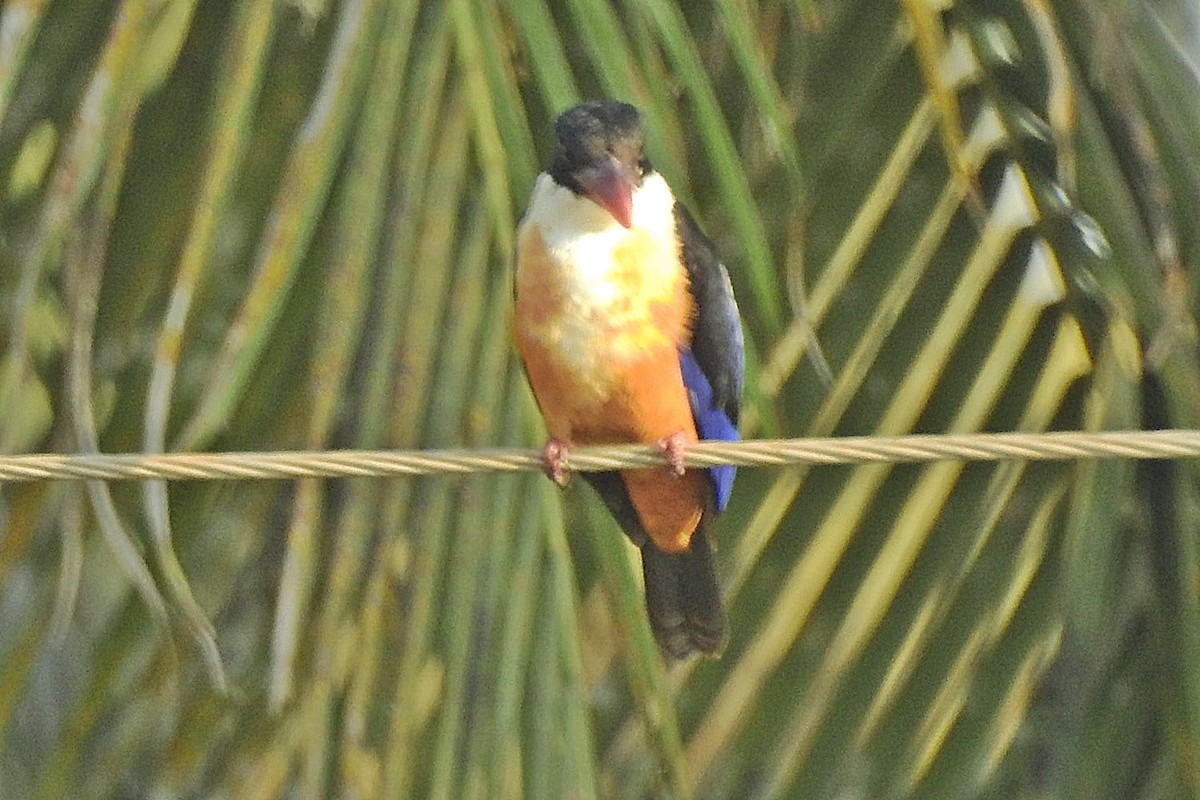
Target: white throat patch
(581,236)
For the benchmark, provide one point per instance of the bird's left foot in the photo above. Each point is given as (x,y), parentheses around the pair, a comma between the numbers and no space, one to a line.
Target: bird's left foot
(674,447)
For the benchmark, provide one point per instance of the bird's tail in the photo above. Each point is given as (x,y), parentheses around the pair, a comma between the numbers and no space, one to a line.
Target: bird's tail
(683,600)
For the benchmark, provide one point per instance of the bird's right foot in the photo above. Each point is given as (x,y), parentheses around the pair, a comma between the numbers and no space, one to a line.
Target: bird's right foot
(554,457)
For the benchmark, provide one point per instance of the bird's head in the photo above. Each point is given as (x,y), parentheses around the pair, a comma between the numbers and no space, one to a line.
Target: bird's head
(600,156)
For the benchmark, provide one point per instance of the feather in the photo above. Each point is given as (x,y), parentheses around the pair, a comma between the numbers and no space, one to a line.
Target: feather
(712,423)
(712,367)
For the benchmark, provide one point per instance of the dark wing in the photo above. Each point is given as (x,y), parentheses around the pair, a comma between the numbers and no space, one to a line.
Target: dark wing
(717,329)
(713,367)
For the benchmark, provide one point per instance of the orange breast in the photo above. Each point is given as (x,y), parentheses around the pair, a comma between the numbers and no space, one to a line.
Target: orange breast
(611,375)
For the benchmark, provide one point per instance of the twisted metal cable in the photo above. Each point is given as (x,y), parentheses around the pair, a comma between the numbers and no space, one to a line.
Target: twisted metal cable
(1053,446)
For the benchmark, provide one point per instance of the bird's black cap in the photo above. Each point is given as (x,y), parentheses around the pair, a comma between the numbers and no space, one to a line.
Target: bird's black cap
(593,126)
(590,132)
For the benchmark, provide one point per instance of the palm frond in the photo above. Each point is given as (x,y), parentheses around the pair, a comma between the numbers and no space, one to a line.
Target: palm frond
(244,225)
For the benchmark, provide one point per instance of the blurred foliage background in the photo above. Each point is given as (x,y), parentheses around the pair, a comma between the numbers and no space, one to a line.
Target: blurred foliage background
(239,225)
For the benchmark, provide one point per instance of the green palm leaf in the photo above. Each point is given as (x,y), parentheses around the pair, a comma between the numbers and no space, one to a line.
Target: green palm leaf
(243,225)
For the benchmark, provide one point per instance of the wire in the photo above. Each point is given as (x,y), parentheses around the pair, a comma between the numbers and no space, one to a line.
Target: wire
(1052,446)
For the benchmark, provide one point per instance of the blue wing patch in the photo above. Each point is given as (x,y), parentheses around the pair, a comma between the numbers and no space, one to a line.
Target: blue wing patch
(711,422)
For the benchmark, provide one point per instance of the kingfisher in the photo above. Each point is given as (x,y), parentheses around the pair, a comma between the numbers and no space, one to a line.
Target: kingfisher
(626,323)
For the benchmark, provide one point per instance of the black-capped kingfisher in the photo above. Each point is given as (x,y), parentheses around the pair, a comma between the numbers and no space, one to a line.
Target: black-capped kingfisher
(626,323)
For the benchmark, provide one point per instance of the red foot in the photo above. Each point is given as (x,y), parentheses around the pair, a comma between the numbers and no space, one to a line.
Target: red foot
(673,447)
(554,454)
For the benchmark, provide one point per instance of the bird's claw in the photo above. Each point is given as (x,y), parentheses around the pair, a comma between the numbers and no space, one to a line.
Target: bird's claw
(554,457)
(674,447)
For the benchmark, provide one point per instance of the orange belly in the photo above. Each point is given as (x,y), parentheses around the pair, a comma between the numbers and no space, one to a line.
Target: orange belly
(648,403)
(628,388)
